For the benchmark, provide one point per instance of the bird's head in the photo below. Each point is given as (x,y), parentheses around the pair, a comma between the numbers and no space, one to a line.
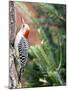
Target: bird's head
(25,30)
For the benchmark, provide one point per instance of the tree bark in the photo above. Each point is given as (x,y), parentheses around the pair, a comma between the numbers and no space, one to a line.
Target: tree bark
(13,78)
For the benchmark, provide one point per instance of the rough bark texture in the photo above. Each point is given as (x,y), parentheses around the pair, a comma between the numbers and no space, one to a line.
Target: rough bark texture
(12,70)
(11,22)
(13,78)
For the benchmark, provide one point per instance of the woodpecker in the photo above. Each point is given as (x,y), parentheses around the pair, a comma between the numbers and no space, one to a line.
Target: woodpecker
(21,49)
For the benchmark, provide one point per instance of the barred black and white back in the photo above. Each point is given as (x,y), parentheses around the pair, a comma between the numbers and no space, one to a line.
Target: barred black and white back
(23,55)
(23,51)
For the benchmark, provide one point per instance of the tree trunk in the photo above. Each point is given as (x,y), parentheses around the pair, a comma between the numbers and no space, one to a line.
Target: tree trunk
(13,78)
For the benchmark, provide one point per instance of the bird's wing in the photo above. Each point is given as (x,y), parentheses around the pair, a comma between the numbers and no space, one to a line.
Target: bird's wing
(23,56)
(23,51)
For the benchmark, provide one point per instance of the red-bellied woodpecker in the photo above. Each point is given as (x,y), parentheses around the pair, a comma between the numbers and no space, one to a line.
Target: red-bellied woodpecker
(21,49)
